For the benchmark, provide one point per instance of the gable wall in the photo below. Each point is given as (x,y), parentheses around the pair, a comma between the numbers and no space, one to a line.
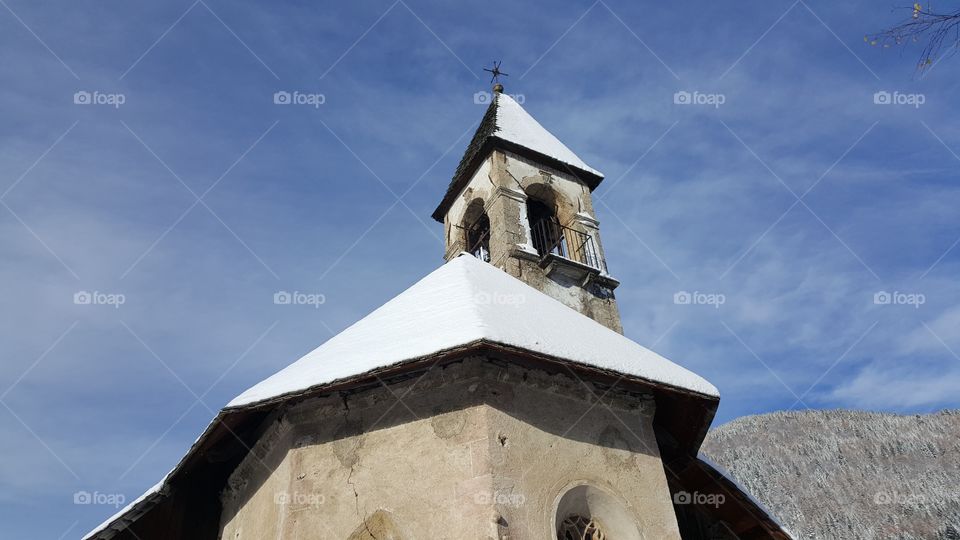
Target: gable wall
(475,450)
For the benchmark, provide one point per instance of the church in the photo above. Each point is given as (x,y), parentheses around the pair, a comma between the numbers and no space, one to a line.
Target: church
(494,399)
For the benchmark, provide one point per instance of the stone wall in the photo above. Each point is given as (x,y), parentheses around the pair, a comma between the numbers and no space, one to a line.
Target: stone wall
(475,449)
(501,186)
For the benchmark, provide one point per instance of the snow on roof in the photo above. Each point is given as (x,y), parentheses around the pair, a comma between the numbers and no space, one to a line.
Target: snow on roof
(515,124)
(463,302)
(128,509)
(132,511)
(507,126)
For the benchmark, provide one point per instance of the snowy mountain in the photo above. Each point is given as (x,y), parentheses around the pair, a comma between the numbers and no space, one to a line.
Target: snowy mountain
(848,474)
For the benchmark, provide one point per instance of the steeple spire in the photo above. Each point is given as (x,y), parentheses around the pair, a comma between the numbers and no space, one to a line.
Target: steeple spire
(521,200)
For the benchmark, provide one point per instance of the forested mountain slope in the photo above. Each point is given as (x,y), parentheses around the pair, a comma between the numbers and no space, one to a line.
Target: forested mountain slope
(849,474)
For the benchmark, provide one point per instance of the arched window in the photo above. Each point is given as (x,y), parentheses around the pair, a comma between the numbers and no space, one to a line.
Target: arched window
(544,226)
(478,238)
(576,527)
(586,512)
(475,226)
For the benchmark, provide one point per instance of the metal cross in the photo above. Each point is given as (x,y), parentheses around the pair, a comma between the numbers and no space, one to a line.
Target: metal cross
(496,72)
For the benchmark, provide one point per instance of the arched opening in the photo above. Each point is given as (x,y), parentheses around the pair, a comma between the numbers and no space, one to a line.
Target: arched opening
(476,230)
(586,512)
(478,238)
(544,226)
(553,231)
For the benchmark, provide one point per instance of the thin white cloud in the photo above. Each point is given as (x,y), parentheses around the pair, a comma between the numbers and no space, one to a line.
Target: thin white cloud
(899,387)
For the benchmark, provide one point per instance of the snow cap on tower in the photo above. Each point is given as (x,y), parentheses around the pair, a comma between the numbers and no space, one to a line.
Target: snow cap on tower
(508,126)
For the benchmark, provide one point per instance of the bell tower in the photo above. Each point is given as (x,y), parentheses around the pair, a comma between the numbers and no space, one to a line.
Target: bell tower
(521,200)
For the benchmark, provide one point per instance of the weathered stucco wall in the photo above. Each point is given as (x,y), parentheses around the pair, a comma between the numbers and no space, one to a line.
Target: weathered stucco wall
(501,186)
(475,449)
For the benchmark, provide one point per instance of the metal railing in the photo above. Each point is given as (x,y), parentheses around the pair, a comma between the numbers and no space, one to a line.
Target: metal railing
(551,238)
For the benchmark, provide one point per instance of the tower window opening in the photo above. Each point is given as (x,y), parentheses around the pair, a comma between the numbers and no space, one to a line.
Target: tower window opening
(550,237)
(544,226)
(478,238)
(576,527)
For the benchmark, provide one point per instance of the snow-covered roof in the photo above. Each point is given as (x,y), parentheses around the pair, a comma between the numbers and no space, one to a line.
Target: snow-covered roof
(127,510)
(507,126)
(463,302)
(514,124)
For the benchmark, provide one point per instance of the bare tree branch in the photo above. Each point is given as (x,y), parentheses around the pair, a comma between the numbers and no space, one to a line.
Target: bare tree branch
(932,28)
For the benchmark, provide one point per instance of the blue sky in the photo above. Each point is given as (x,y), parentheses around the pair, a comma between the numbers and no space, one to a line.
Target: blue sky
(798,199)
